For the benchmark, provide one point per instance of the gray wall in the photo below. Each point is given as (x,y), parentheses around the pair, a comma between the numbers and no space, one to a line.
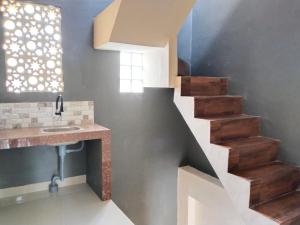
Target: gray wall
(184,40)
(195,154)
(256,43)
(149,137)
(31,165)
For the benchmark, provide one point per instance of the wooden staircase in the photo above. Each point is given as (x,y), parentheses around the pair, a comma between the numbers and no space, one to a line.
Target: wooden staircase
(264,189)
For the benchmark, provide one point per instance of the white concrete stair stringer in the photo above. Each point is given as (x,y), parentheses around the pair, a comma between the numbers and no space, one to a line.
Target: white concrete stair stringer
(237,188)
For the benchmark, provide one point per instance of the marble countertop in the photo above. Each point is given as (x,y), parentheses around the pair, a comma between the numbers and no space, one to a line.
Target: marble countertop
(28,137)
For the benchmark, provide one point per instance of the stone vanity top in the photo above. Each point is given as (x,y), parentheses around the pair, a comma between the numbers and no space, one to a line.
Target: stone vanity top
(27,137)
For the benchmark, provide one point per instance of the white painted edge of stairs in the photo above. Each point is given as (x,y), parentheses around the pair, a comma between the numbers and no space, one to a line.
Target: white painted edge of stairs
(238,189)
(43,186)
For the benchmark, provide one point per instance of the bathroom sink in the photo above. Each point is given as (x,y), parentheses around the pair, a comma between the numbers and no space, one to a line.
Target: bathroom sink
(60,129)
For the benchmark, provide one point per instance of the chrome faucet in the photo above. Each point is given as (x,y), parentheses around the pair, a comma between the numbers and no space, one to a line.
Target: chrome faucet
(59,108)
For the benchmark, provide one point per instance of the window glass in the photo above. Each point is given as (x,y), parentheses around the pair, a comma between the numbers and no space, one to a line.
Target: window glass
(131,72)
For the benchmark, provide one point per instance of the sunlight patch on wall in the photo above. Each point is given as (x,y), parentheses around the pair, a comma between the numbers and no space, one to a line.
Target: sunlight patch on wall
(32,44)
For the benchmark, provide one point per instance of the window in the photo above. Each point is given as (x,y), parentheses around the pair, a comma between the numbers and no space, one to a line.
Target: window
(131,72)
(32,44)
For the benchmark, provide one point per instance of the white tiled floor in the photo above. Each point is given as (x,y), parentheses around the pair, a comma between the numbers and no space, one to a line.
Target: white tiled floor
(76,205)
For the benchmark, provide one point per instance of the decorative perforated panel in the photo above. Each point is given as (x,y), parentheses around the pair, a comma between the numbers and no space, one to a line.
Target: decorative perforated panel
(32,44)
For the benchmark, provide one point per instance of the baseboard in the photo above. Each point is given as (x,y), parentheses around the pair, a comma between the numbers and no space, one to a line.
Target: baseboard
(30,188)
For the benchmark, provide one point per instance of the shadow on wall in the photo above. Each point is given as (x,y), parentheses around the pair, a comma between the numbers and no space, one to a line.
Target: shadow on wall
(256,43)
(37,164)
(184,40)
(184,68)
(219,12)
(197,158)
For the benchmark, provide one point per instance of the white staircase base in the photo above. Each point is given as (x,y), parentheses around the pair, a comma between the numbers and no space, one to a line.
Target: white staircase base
(202,200)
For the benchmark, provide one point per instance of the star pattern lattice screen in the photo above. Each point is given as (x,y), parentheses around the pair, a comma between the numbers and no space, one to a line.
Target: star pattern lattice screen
(32,44)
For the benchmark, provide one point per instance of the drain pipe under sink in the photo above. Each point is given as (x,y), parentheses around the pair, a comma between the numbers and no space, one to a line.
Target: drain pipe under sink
(62,152)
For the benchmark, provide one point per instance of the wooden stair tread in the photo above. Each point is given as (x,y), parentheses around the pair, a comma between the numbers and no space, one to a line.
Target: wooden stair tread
(203,86)
(207,77)
(232,117)
(215,106)
(284,210)
(266,171)
(270,181)
(248,141)
(246,153)
(234,127)
(218,96)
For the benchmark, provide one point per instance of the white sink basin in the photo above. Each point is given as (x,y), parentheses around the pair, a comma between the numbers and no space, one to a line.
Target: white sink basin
(60,129)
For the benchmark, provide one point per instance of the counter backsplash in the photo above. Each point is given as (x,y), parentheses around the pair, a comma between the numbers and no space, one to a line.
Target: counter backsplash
(41,114)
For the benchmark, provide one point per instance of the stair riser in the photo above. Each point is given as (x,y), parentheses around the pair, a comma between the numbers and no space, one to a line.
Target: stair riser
(251,156)
(264,191)
(216,107)
(286,209)
(197,86)
(293,218)
(222,130)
